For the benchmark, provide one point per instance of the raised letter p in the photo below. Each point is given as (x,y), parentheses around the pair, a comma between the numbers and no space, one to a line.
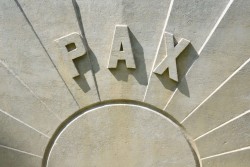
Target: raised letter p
(71,47)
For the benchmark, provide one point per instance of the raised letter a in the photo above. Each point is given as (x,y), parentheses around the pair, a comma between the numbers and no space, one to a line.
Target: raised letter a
(121,48)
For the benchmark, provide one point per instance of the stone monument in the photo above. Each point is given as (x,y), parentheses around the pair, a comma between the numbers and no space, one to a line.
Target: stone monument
(125,83)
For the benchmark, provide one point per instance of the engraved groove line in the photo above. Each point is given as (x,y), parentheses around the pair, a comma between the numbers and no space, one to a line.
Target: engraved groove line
(221,85)
(20,151)
(26,18)
(24,123)
(29,89)
(220,126)
(228,152)
(204,44)
(80,24)
(159,45)
(94,106)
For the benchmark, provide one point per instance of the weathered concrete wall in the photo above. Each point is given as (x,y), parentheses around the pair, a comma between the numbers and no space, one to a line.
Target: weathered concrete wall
(124,83)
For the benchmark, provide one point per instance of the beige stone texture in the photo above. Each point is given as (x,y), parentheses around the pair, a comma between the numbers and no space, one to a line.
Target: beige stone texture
(36,71)
(239,159)
(22,137)
(52,26)
(121,135)
(225,51)
(11,158)
(190,19)
(124,83)
(145,27)
(19,102)
(230,101)
(230,137)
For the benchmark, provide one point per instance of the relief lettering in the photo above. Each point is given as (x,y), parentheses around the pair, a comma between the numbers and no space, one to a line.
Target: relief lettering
(71,47)
(121,48)
(169,62)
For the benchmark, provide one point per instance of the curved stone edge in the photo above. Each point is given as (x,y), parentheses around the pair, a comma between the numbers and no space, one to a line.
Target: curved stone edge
(78,113)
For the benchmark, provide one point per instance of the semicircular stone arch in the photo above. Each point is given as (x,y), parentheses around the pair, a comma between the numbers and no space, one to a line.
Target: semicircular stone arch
(122,132)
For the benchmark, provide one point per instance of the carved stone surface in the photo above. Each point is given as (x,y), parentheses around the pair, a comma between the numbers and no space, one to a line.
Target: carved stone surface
(125,83)
(172,53)
(121,135)
(121,48)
